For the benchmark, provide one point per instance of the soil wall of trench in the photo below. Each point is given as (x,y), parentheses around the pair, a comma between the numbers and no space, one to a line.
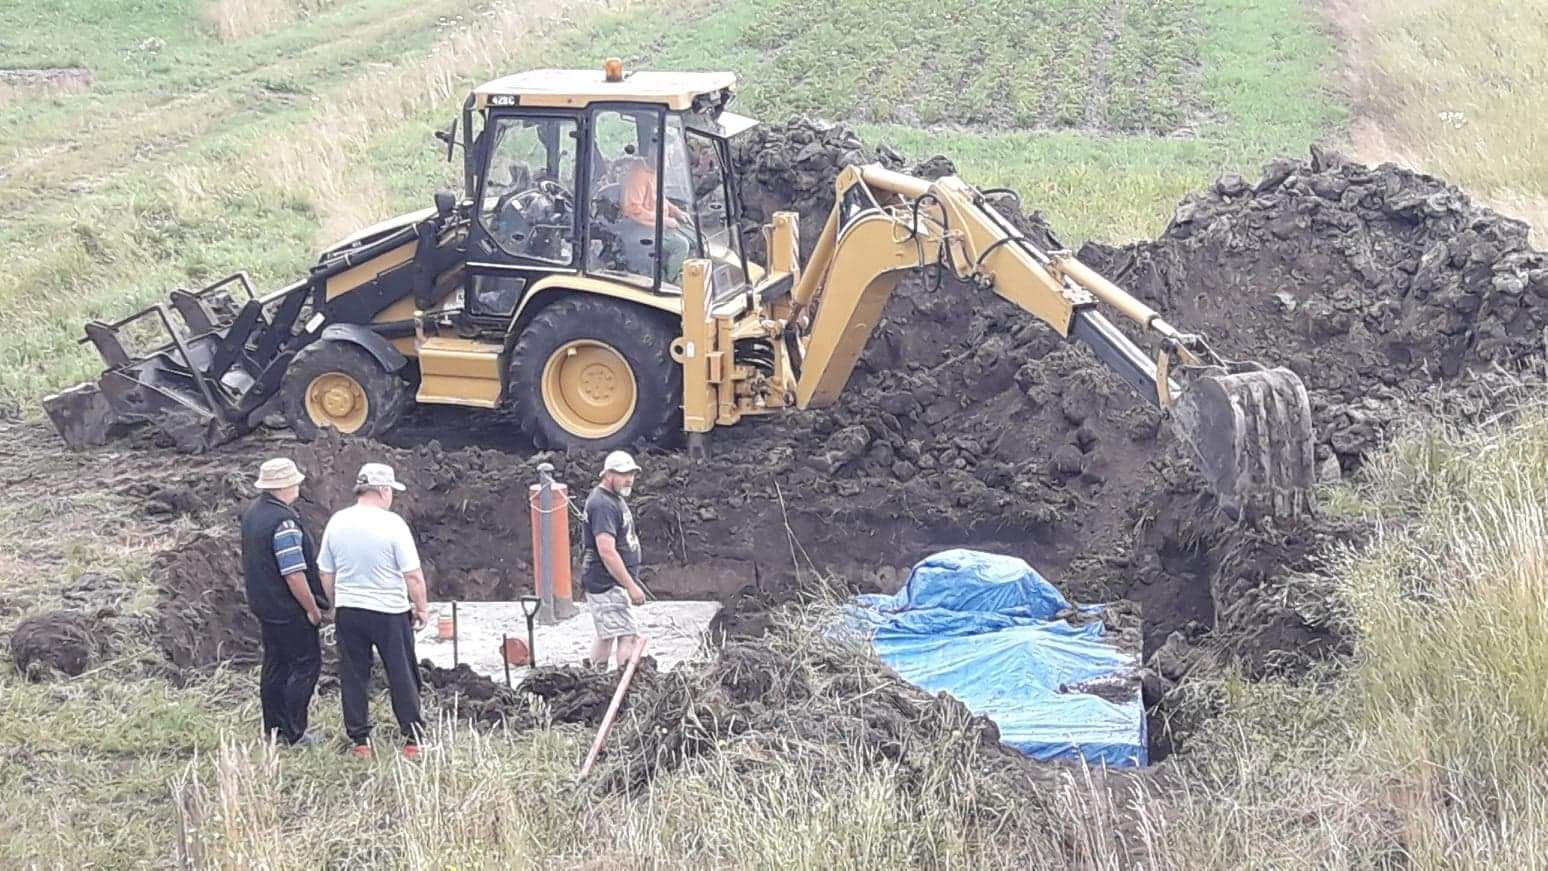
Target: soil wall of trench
(968,423)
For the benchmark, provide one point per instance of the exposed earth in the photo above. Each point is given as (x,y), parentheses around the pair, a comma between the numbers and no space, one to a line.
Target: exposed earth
(966,423)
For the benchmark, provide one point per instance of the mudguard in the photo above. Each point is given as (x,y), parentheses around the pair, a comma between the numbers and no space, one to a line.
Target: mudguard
(390,358)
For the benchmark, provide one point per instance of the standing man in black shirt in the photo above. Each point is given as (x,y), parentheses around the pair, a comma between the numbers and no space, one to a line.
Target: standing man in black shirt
(610,566)
(284,592)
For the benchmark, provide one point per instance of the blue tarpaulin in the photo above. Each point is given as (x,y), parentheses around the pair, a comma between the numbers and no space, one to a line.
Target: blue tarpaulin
(982,628)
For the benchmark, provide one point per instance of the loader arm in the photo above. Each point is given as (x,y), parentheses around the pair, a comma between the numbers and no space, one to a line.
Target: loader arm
(1249,427)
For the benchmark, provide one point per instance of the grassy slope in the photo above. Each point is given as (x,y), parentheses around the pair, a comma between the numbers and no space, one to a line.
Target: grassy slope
(193,161)
(1451,87)
(1428,749)
(1261,86)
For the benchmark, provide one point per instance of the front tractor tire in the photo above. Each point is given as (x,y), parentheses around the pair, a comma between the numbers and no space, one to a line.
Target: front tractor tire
(339,385)
(596,373)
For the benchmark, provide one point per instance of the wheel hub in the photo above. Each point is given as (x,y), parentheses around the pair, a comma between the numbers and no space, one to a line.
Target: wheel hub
(589,388)
(597,384)
(337,400)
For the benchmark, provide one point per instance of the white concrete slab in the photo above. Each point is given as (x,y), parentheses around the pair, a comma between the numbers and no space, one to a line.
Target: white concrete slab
(675,631)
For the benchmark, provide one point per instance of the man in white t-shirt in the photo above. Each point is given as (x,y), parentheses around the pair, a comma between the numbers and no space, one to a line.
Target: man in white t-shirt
(370,570)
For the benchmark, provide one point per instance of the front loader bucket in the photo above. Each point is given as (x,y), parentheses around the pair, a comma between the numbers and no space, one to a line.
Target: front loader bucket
(83,416)
(1252,433)
(179,367)
(157,392)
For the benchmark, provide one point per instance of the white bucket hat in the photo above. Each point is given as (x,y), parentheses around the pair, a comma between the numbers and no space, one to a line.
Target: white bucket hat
(277,474)
(378,475)
(621,462)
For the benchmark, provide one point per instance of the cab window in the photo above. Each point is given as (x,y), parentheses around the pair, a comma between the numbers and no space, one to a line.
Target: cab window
(528,202)
(712,214)
(625,196)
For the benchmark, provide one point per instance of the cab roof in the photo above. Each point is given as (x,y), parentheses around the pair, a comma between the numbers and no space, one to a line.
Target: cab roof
(576,88)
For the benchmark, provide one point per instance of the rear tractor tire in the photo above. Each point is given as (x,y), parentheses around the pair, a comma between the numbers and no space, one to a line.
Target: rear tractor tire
(594,373)
(341,386)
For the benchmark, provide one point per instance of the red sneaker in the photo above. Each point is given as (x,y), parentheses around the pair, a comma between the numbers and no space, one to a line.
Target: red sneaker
(361,751)
(411,752)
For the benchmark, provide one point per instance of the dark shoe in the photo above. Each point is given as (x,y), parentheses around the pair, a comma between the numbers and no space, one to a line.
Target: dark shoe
(307,740)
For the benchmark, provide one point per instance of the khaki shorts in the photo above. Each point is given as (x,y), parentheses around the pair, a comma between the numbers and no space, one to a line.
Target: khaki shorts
(612,612)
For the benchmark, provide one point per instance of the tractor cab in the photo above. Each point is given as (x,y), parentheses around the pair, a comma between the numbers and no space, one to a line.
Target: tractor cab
(606,175)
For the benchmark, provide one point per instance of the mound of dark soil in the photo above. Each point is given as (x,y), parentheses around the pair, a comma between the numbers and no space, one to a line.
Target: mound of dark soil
(968,423)
(57,642)
(762,698)
(204,618)
(567,694)
(1372,283)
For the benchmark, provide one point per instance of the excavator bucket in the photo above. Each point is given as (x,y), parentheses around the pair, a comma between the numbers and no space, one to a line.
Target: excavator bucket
(1252,433)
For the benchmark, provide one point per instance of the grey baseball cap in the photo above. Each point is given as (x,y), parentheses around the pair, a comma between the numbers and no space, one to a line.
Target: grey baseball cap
(378,475)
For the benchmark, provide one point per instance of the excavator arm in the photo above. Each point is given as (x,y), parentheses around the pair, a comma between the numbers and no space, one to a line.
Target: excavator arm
(1249,426)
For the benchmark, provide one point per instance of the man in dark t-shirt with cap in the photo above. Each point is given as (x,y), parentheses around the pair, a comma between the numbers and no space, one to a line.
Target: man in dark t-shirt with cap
(610,565)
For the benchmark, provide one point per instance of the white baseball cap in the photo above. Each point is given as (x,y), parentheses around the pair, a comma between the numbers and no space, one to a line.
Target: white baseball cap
(377,475)
(620,462)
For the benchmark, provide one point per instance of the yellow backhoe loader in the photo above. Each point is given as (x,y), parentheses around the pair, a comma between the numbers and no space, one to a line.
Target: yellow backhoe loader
(592,276)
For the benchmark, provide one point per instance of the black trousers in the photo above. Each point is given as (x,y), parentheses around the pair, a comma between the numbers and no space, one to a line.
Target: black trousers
(357,631)
(292,660)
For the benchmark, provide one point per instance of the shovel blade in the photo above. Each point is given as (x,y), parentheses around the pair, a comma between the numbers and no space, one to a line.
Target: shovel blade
(83,417)
(1252,434)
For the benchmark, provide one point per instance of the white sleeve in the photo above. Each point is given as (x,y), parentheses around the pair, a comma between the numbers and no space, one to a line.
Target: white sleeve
(403,548)
(325,552)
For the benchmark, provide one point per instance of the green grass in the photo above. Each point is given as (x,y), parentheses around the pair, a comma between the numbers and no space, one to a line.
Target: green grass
(105,36)
(1230,84)
(1428,749)
(971,63)
(205,157)
(1438,88)
(939,64)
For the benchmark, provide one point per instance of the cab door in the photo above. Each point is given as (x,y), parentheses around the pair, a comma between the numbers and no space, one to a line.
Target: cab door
(526,220)
(624,194)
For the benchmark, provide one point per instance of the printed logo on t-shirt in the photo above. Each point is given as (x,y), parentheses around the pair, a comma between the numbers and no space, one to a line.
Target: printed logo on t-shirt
(630,539)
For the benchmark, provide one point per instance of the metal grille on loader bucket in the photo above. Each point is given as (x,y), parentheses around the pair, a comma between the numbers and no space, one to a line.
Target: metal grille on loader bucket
(1252,433)
(193,380)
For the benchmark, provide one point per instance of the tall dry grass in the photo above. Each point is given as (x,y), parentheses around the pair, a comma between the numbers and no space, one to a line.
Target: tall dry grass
(331,167)
(500,800)
(232,20)
(1447,86)
(1427,750)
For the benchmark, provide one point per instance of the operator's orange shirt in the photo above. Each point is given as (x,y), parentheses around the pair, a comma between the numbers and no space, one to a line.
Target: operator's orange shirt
(639,195)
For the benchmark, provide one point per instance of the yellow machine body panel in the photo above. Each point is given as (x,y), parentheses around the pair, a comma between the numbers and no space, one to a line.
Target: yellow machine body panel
(457,371)
(868,261)
(354,277)
(547,289)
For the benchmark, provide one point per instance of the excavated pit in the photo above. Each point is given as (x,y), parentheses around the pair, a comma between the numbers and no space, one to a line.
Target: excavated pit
(967,423)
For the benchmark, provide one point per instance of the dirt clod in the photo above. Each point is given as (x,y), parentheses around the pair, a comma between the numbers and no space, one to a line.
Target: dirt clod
(54,643)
